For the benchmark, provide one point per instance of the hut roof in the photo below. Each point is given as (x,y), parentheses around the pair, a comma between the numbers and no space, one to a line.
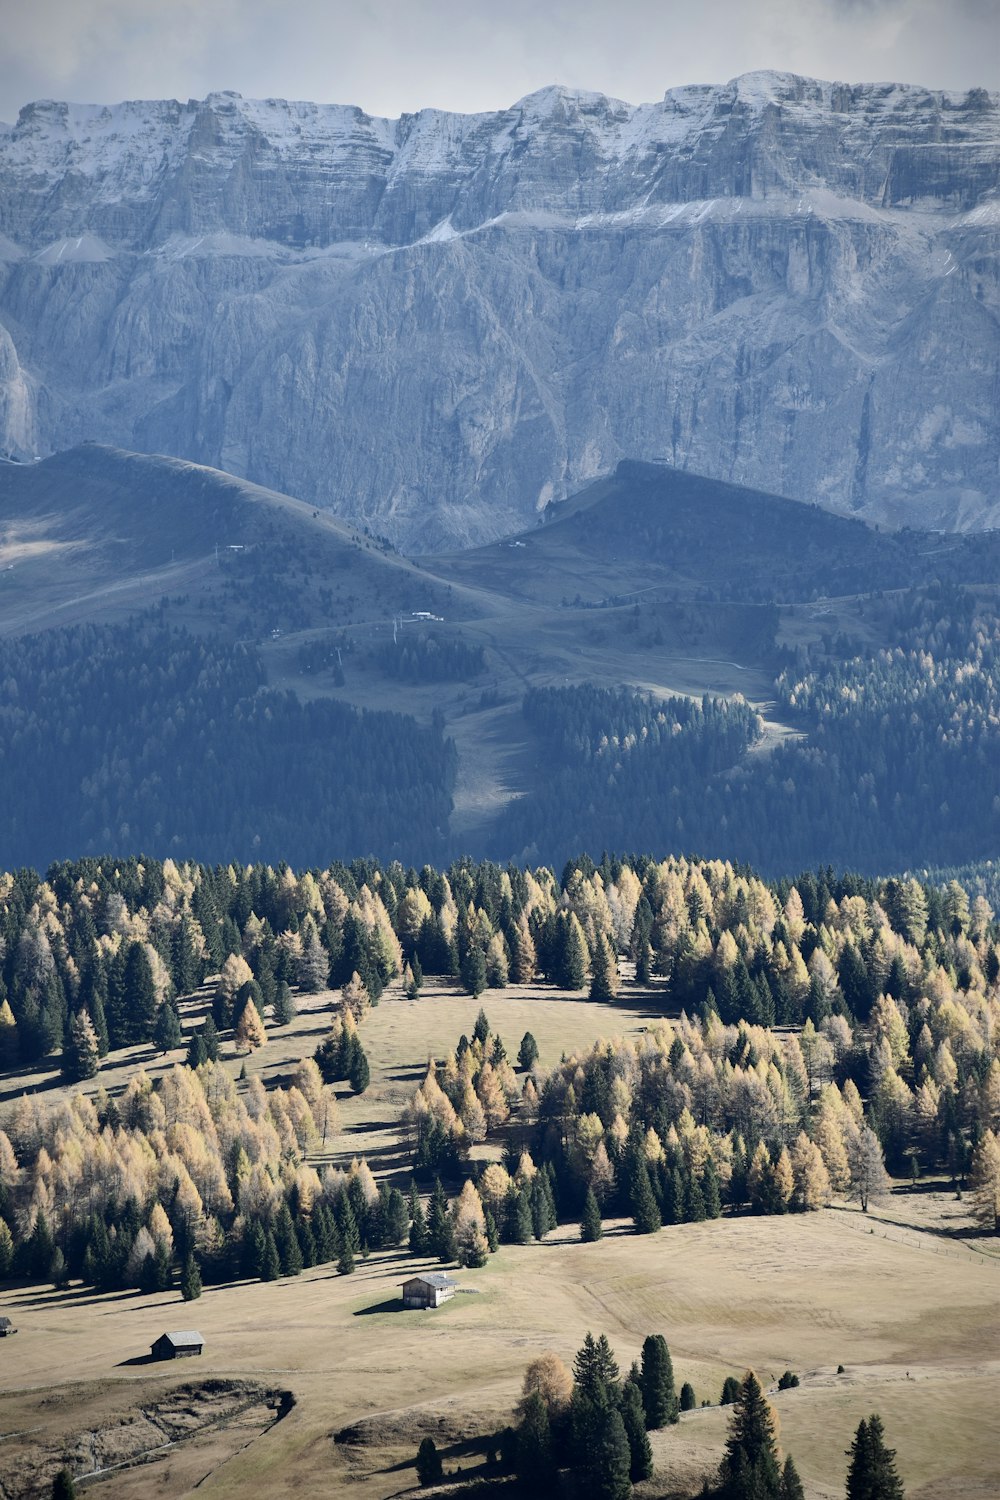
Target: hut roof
(187,1336)
(432,1278)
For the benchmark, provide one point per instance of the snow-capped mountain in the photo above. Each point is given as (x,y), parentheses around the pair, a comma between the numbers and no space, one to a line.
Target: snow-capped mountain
(442,323)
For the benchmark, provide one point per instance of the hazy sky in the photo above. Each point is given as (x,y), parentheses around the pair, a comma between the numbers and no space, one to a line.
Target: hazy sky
(394,55)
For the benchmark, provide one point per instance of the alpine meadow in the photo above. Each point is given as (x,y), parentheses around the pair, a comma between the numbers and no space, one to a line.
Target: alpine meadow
(499,736)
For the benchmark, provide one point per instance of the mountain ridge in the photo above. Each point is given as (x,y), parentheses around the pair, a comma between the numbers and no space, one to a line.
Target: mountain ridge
(441,324)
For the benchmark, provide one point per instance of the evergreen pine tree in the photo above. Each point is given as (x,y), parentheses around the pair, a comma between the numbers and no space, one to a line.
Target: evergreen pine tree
(284,1006)
(210,1035)
(520,1228)
(572,965)
(350,1239)
(286,1240)
(418,1229)
(694,1204)
(167,1031)
(749,1470)
(688,1400)
(474,970)
(254,1250)
(80,1059)
(633,1417)
(428,1465)
(711,1196)
(591,1228)
(6,1249)
(99,1020)
(63,1487)
(887,1485)
(358,1075)
(58,1274)
(543,1213)
(271,1264)
(610,1458)
(730,1391)
(534,1459)
(191,1279)
(346,1257)
(395,1219)
(196,1053)
(438,1222)
(791,1484)
(645,1213)
(186,965)
(139,996)
(872,1474)
(604,971)
(659,1397)
(595,1368)
(527,1053)
(41,1248)
(161,1269)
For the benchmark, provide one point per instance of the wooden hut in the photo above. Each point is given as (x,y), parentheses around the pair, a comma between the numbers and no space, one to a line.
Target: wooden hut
(428,1290)
(178,1345)
(6,1327)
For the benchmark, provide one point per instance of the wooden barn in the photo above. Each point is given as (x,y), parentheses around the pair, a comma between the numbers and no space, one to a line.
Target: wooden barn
(428,1290)
(178,1345)
(6,1327)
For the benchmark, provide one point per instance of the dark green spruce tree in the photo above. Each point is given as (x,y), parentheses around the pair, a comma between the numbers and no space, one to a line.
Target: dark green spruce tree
(535,1460)
(190,1279)
(634,1418)
(791,1484)
(659,1398)
(591,1228)
(428,1465)
(608,1474)
(750,1469)
(645,1213)
(872,1473)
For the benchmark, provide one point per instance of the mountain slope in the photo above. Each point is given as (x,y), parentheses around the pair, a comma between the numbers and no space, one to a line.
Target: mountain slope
(651,531)
(205,701)
(440,324)
(96,533)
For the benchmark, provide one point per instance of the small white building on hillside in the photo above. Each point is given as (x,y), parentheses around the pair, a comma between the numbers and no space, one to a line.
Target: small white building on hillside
(428,1290)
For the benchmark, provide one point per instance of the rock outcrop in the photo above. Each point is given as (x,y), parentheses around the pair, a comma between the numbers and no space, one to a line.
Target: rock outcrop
(439,325)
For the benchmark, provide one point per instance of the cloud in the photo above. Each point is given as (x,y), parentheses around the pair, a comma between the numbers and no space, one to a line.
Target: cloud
(395,55)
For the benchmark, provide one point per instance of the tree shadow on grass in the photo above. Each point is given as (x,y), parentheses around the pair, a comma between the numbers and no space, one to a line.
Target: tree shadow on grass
(37,1078)
(80,1296)
(474,1448)
(391,1304)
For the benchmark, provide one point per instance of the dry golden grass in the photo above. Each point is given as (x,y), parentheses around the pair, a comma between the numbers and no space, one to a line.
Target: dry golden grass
(915,1327)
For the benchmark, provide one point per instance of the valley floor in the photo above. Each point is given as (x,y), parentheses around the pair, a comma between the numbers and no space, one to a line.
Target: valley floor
(907,1299)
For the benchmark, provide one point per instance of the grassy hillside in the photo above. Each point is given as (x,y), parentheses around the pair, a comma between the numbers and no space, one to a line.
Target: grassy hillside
(96,533)
(649,529)
(652,580)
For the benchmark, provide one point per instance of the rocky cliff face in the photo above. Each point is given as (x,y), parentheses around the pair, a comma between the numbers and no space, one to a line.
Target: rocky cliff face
(441,324)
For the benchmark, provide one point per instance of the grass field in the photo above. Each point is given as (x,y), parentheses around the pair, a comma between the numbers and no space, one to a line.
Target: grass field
(910,1310)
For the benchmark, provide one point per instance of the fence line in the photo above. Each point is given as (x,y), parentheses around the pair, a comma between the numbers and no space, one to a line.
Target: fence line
(919,1242)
